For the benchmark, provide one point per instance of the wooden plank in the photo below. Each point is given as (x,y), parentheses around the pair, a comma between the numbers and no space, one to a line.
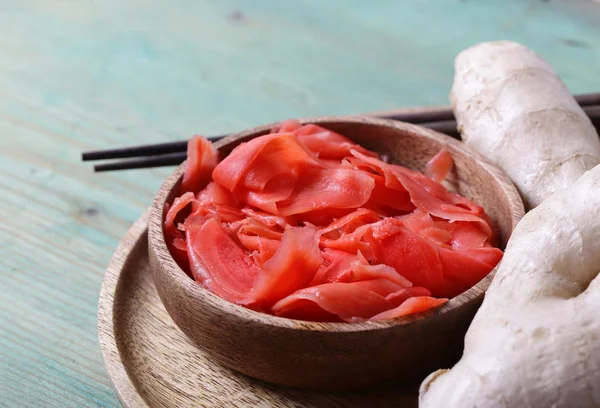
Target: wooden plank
(76,76)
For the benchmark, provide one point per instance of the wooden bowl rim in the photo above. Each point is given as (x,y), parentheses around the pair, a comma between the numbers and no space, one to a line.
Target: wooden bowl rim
(196,291)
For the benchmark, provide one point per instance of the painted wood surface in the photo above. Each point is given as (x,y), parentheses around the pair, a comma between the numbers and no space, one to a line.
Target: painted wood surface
(80,75)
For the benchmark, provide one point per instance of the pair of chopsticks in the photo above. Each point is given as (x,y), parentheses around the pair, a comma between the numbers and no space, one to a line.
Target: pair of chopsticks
(174,153)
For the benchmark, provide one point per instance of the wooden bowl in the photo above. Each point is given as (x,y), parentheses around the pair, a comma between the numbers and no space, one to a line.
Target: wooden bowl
(338,356)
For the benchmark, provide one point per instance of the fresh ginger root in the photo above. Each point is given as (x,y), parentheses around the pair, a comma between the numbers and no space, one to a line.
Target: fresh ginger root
(535,341)
(512,107)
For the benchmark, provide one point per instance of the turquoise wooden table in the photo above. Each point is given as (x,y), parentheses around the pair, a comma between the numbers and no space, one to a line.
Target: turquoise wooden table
(76,76)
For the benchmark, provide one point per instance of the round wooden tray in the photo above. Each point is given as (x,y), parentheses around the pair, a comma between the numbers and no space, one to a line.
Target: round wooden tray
(152,363)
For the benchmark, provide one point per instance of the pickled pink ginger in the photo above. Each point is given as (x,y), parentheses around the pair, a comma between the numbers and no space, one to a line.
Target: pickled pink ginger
(305,224)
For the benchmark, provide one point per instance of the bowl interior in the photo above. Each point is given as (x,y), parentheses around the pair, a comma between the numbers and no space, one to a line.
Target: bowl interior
(409,145)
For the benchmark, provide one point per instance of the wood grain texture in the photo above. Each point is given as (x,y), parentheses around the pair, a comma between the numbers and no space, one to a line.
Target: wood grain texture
(77,76)
(152,363)
(338,356)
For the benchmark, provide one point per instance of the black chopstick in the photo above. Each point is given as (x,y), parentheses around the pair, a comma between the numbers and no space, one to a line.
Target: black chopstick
(133,151)
(590,99)
(170,159)
(139,151)
(176,158)
(165,149)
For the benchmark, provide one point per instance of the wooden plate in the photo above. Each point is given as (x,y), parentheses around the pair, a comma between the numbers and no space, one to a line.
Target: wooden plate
(152,364)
